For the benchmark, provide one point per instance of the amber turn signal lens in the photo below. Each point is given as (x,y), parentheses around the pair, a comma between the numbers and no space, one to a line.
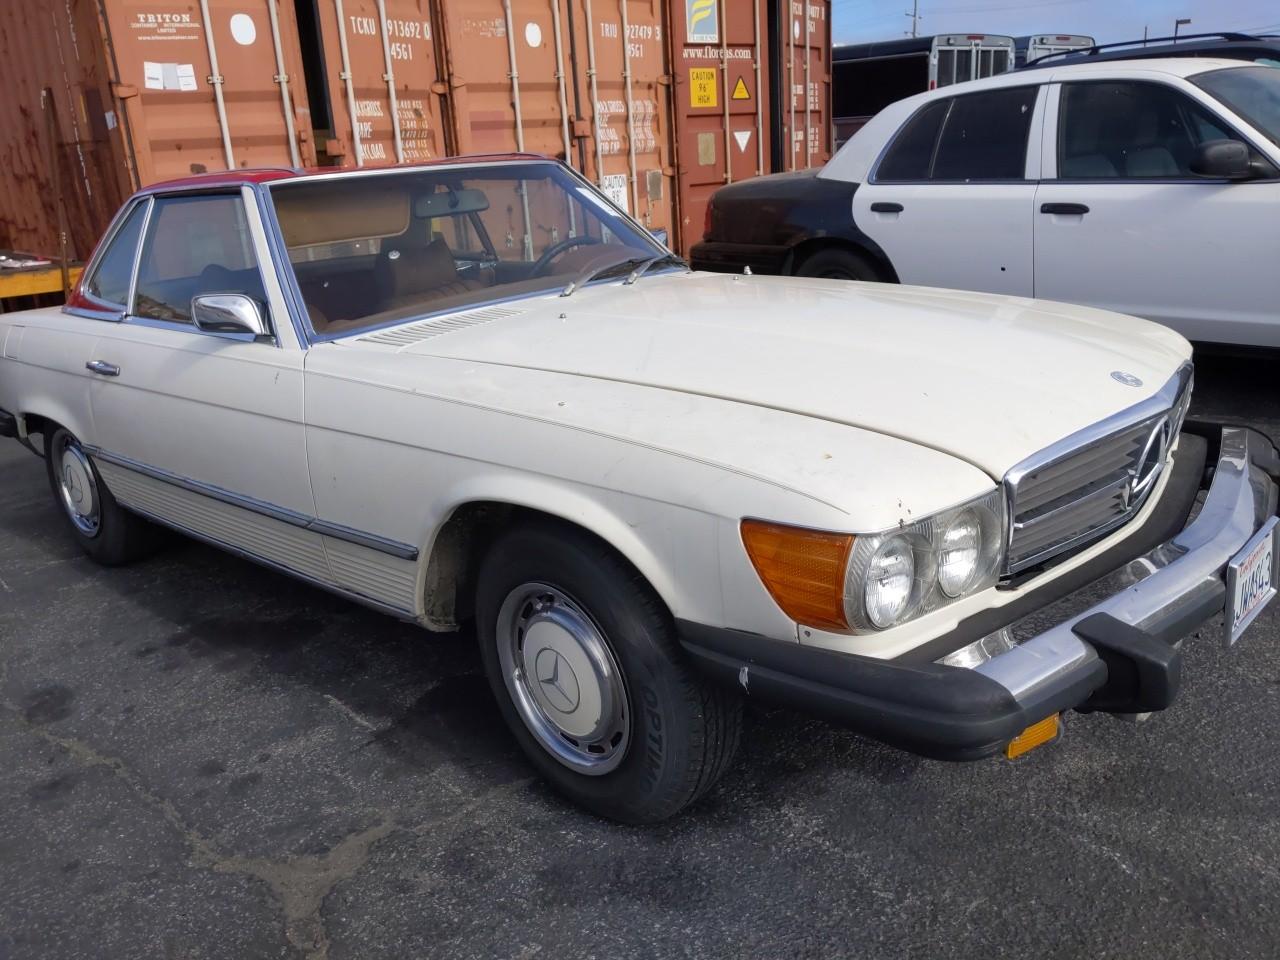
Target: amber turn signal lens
(1036,735)
(803,570)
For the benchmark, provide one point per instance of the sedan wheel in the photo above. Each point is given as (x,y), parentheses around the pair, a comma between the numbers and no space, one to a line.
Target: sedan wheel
(584,661)
(105,531)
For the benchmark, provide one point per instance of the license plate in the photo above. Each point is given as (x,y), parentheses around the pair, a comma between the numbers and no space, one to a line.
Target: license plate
(1251,580)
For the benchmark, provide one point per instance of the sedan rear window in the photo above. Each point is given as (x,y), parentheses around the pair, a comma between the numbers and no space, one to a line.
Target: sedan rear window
(979,136)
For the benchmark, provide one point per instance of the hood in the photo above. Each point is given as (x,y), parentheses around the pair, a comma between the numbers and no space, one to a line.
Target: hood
(986,379)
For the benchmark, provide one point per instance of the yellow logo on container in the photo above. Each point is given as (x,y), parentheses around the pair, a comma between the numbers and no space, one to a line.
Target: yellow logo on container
(702,21)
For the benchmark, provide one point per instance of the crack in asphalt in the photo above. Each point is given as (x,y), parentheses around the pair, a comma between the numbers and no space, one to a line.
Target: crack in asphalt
(299,884)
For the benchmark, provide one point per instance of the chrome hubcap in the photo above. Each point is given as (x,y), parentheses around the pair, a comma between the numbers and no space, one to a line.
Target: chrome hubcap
(563,679)
(79,492)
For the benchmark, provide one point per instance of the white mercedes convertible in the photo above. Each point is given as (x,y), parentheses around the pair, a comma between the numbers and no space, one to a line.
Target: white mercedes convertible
(475,391)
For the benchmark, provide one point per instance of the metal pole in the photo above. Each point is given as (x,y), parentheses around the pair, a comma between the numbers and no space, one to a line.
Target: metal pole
(564,103)
(215,81)
(759,96)
(808,144)
(791,87)
(724,83)
(595,94)
(631,129)
(513,75)
(515,93)
(346,79)
(283,79)
(564,99)
(390,77)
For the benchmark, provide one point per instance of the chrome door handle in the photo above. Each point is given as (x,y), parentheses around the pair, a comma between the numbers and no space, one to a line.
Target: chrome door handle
(103,368)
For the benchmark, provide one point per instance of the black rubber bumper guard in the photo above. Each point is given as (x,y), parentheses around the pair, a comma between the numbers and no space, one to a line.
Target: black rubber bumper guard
(1101,659)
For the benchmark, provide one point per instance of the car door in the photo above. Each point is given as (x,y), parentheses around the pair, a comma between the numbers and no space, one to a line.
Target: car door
(1122,222)
(54,353)
(950,201)
(204,430)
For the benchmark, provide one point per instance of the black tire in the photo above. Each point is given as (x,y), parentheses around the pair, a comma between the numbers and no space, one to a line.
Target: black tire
(121,537)
(835,263)
(684,730)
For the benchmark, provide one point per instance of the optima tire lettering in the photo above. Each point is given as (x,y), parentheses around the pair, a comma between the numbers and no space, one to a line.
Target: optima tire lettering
(653,736)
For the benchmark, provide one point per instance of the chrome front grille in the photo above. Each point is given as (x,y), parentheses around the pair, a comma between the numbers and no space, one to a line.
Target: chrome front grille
(1094,481)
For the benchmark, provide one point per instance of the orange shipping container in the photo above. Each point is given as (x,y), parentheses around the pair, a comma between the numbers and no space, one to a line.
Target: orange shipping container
(659,102)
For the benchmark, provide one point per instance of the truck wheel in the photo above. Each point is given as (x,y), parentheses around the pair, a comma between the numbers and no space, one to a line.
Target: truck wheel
(105,531)
(837,264)
(583,659)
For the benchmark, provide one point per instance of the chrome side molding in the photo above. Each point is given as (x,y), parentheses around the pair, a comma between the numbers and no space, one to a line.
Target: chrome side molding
(401,551)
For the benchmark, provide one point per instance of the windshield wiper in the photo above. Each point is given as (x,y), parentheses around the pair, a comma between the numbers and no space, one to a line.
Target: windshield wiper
(661,259)
(639,264)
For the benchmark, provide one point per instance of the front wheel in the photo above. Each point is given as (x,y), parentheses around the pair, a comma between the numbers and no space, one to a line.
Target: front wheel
(105,530)
(583,659)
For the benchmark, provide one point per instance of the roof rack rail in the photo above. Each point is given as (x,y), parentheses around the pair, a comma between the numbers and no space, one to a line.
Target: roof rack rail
(1149,41)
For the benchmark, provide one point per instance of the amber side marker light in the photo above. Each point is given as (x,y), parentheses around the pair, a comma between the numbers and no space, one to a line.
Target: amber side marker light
(802,569)
(1037,735)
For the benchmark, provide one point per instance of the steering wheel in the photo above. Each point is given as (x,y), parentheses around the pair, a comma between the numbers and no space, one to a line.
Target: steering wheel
(553,251)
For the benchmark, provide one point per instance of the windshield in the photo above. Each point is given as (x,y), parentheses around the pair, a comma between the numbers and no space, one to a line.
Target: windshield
(370,250)
(1252,92)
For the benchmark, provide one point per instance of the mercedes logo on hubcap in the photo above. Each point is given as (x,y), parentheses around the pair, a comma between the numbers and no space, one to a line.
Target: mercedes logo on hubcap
(73,486)
(557,680)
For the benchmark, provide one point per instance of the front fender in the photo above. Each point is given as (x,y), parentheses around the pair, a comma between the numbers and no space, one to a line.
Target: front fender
(674,548)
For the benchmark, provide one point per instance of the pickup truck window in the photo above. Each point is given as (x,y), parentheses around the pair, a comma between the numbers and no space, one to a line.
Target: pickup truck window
(110,280)
(1110,130)
(195,245)
(979,136)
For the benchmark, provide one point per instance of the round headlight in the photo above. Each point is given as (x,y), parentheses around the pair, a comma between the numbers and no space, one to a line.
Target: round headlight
(890,575)
(959,553)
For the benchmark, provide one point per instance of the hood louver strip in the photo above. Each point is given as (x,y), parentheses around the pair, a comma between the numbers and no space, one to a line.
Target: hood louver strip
(426,329)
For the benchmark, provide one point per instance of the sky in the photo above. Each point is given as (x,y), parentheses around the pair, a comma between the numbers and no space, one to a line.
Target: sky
(1105,20)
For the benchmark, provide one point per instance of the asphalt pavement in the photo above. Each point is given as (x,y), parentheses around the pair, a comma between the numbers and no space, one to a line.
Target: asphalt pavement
(200,758)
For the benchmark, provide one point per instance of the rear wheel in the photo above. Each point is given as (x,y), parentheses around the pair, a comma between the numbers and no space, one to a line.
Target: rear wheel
(583,659)
(105,531)
(836,263)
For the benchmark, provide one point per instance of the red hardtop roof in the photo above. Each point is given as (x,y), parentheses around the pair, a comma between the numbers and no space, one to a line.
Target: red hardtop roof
(250,176)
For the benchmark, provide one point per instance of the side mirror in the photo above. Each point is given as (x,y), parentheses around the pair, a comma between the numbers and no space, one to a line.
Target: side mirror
(662,236)
(228,313)
(1222,160)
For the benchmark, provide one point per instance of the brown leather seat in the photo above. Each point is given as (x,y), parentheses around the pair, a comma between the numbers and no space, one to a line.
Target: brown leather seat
(409,276)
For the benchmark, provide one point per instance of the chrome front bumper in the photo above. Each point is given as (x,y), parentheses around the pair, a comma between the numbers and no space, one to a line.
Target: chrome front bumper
(1120,655)
(1159,598)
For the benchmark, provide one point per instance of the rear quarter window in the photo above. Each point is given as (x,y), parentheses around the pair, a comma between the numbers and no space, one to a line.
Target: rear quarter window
(111,277)
(978,136)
